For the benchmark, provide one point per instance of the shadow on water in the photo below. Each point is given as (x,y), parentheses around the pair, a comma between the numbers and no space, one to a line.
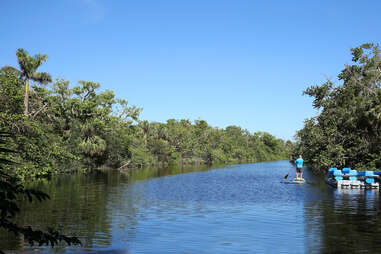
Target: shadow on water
(147,173)
(349,222)
(235,209)
(79,203)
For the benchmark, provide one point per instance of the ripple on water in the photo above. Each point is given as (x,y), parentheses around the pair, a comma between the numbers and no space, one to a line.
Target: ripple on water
(237,209)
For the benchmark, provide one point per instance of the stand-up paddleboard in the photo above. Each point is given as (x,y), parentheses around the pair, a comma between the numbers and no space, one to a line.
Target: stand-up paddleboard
(295,181)
(298,180)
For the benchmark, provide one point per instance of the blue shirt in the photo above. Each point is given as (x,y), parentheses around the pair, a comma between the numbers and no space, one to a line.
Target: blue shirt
(299,163)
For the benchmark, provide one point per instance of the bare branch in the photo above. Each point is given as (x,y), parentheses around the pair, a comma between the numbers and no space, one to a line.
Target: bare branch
(38,111)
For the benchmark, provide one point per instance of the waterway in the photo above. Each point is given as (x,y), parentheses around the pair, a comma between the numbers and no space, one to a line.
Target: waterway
(246,208)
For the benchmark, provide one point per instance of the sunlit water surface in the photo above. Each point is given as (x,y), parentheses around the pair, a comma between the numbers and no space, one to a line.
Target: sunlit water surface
(245,208)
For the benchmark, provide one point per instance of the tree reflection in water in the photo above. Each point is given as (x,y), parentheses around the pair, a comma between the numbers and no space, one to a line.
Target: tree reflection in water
(350,222)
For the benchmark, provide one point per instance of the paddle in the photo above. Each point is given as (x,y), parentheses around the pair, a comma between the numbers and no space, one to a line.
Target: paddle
(285,177)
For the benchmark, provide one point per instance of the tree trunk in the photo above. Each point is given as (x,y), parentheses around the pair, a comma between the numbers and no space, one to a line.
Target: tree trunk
(26,98)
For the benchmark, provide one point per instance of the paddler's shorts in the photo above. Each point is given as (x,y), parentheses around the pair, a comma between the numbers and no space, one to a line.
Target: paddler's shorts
(299,170)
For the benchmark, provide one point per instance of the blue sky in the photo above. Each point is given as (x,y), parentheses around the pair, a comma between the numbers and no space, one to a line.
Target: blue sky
(239,62)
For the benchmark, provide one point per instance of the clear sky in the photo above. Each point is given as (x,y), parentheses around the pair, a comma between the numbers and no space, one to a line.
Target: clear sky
(236,62)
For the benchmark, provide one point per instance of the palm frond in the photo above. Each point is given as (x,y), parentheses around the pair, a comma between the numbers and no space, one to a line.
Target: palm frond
(26,63)
(39,59)
(41,77)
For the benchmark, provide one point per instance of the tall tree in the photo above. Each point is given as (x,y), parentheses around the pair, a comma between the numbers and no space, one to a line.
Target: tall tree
(347,132)
(28,66)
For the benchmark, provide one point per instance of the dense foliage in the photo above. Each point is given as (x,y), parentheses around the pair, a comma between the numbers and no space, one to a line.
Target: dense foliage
(64,128)
(11,191)
(347,132)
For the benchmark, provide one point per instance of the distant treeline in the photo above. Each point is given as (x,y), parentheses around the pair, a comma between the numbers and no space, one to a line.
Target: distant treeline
(56,127)
(347,130)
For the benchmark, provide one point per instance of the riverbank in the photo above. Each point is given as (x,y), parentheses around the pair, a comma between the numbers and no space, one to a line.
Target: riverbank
(77,127)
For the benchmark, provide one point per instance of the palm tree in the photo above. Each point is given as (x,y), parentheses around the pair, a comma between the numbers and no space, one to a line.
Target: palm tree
(28,66)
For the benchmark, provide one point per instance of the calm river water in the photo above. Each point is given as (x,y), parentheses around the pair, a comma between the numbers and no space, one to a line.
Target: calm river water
(243,208)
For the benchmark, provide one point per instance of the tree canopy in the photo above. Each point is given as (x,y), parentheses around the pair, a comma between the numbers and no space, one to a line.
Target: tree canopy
(347,130)
(28,66)
(76,127)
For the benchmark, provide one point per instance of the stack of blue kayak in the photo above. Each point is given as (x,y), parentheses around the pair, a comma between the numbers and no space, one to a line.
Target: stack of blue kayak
(349,178)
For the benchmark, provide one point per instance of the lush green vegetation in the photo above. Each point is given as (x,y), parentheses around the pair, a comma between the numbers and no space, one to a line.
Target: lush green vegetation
(12,191)
(59,127)
(347,131)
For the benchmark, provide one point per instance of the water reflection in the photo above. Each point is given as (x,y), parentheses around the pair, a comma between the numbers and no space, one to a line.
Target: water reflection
(78,204)
(348,222)
(236,209)
(355,201)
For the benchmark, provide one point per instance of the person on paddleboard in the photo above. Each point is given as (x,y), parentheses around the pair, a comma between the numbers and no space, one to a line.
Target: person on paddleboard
(299,167)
